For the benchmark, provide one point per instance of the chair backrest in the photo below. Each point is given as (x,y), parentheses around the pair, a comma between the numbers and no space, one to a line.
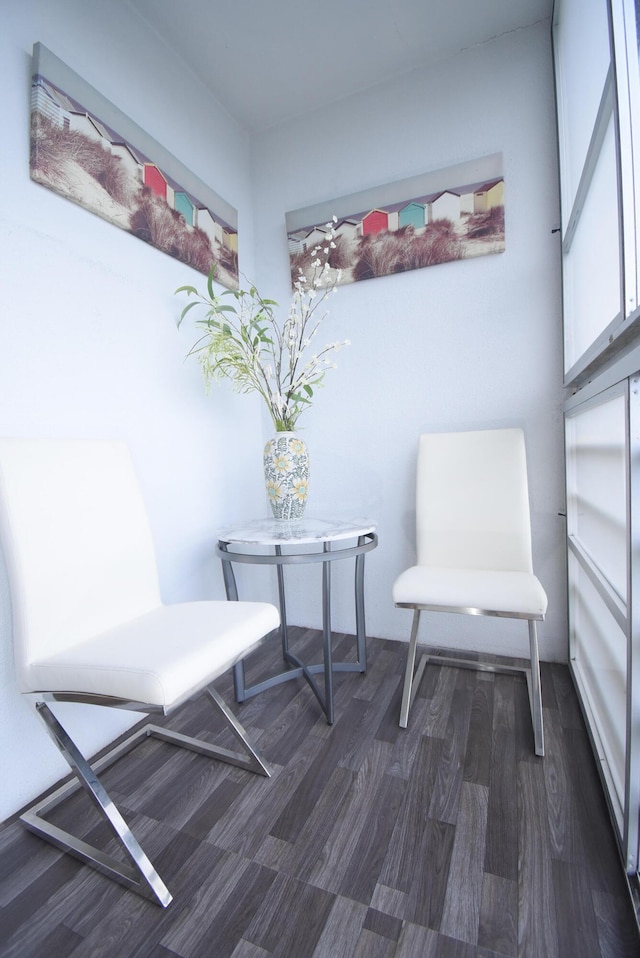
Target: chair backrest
(76,540)
(472,503)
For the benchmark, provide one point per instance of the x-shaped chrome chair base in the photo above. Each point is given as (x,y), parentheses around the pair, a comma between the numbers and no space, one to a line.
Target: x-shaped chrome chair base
(136,872)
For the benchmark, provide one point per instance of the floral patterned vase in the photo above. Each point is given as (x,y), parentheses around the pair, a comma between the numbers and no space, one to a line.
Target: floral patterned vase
(286,475)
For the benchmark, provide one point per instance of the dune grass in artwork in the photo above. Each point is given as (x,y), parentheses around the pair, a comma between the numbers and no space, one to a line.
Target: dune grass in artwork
(427,230)
(75,154)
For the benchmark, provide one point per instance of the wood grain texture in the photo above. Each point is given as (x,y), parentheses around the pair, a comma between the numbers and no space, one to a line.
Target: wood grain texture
(461,913)
(341,933)
(537,926)
(449,839)
(501,854)
(477,759)
(498,926)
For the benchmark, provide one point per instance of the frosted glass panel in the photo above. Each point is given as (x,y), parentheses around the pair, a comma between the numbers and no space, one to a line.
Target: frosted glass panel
(592,265)
(599,649)
(631,165)
(598,104)
(597,488)
(581,69)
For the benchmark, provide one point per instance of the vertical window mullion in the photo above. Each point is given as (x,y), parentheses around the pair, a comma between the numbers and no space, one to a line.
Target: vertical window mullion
(631,837)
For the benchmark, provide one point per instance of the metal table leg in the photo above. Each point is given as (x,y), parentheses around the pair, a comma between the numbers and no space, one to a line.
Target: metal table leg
(284,633)
(361,638)
(231,589)
(326,637)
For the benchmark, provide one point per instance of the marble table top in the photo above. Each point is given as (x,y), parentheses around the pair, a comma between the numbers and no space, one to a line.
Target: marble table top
(270,532)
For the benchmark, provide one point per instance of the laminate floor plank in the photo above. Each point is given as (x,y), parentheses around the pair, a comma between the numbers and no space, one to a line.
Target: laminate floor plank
(382,665)
(567,702)
(446,792)
(300,858)
(407,743)
(448,839)
(592,828)
(441,700)
(537,917)
(231,922)
(156,951)
(246,949)
(501,852)
(216,897)
(158,793)
(403,861)
(390,901)
(477,758)
(201,821)
(427,891)
(61,941)
(574,908)
(87,904)
(355,754)
(498,926)
(122,931)
(371,945)
(149,758)
(340,849)
(383,924)
(187,788)
(453,948)
(341,933)
(461,913)
(563,803)
(617,932)
(24,859)
(291,919)
(299,807)
(130,926)
(260,805)
(361,877)
(290,728)
(417,941)
(30,915)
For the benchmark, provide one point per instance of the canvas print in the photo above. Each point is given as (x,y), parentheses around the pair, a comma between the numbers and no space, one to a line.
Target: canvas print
(78,152)
(435,219)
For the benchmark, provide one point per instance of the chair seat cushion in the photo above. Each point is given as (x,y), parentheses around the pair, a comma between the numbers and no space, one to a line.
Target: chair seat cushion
(501,592)
(161,658)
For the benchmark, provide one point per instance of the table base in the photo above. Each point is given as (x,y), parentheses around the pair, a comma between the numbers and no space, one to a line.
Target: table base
(299,670)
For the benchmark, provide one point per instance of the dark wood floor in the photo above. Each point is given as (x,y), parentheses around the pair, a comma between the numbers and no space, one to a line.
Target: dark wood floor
(447,840)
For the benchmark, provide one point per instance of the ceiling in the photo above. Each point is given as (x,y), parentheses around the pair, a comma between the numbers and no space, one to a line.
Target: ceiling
(267,61)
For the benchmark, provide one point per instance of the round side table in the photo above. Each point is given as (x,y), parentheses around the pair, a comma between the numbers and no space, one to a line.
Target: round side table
(295,543)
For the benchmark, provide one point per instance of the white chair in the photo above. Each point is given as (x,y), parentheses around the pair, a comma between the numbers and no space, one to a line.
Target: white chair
(473,548)
(89,624)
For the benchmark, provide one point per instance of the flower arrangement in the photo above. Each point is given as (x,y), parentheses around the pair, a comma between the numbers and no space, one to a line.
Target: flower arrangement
(242,339)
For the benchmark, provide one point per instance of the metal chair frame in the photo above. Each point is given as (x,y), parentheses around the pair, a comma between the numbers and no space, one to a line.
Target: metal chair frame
(137,872)
(413,678)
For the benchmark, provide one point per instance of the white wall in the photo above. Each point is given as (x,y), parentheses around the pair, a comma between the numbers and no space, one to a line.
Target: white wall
(89,345)
(464,345)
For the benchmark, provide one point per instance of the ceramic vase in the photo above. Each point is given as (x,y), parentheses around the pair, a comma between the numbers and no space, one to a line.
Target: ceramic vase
(286,475)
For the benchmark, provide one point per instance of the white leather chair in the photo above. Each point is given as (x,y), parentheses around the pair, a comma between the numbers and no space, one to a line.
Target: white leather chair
(89,624)
(473,548)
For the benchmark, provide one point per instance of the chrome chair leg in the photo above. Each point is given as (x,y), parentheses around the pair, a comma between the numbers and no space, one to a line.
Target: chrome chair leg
(535,690)
(251,761)
(413,678)
(137,873)
(408,693)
